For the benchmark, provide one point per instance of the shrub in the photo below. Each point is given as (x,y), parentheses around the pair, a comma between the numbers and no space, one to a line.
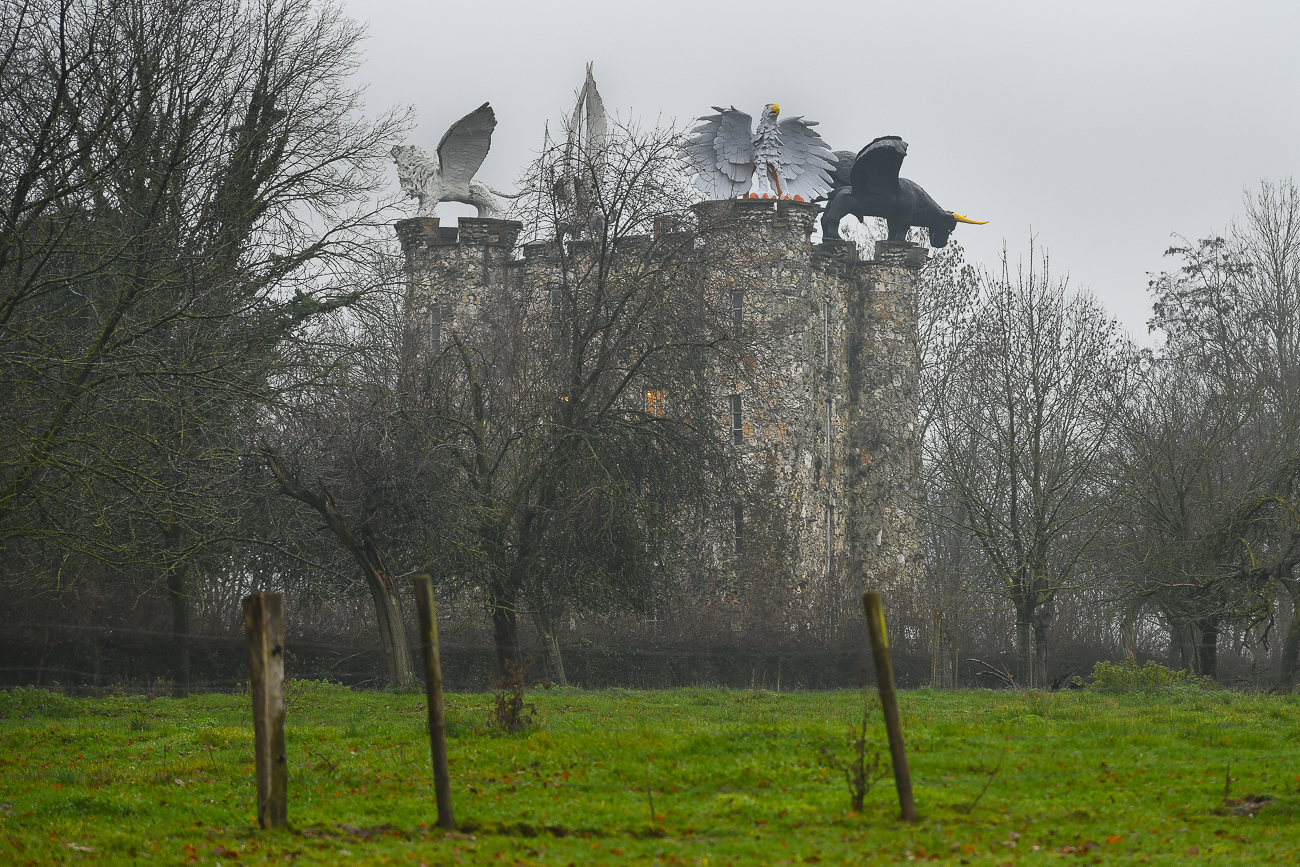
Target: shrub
(1151,675)
(512,713)
(24,702)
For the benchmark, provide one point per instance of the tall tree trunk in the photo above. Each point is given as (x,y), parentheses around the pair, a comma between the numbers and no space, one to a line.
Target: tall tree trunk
(1024,647)
(1182,656)
(178,595)
(388,612)
(1042,620)
(1207,653)
(388,608)
(505,627)
(1291,645)
(552,662)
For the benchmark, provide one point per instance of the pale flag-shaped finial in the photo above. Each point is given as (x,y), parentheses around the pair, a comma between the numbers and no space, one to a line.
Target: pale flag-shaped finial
(584,156)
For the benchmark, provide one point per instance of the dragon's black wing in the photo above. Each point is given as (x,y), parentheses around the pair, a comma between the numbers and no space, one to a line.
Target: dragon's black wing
(840,173)
(875,171)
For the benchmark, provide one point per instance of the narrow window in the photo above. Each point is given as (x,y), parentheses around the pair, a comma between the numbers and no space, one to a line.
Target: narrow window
(738,528)
(440,314)
(654,402)
(737,425)
(830,541)
(737,311)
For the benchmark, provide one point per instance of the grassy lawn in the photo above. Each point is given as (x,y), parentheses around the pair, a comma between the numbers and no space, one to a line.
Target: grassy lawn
(737,778)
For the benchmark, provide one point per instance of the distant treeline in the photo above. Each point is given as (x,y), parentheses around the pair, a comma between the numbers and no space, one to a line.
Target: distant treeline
(212,385)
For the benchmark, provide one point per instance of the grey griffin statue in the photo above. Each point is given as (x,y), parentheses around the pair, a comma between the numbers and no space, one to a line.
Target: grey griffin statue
(784,159)
(448,176)
(868,185)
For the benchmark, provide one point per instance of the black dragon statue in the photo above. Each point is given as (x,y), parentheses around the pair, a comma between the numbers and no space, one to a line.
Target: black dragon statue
(868,185)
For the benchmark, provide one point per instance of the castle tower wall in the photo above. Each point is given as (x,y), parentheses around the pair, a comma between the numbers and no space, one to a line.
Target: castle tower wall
(452,272)
(881,458)
(828,436)
(763,259)
(831,401)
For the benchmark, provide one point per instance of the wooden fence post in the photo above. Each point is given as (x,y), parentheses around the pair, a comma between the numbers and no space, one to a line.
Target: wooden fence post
(889,701)
(264,623)
(433,692)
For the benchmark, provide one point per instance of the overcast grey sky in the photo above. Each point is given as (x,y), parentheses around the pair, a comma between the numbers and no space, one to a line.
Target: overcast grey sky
(1102,127)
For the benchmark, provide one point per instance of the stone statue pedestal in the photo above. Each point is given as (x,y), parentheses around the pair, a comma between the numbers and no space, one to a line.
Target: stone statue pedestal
(758,214)
(423,232)
(419,233)
(478,231)
(901,254)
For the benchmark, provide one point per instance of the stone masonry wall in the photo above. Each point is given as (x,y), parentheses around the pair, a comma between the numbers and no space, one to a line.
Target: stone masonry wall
(829,398)
(881,457)
(452,271)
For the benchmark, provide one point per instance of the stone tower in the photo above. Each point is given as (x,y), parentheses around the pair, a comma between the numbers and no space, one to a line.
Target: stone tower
(829,406)
(834,409)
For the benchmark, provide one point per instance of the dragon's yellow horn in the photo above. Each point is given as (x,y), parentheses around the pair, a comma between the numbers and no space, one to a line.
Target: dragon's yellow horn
(959,218)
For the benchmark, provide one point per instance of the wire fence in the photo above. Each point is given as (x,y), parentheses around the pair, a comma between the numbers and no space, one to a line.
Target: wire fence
(87,658)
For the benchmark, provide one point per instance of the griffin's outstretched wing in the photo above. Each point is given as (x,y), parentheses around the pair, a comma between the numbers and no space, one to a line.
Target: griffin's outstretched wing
(465,145)
(720,153)
(805,159)
(875,171)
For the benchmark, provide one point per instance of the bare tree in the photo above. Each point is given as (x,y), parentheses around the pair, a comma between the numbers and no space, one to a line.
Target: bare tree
(352,441)
(179,180)
(1212,446)
(1019,438)
(582,412)
(1194,482)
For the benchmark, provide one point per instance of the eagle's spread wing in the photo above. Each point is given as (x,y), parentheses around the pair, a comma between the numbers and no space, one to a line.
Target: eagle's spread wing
(464,146)
(720,153)
(875,171)
(805,159)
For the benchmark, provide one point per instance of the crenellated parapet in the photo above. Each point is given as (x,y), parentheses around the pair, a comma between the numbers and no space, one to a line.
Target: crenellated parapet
(451,271)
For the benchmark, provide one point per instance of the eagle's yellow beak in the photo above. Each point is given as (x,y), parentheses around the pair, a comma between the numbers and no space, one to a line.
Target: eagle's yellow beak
(776,109)
(959,218)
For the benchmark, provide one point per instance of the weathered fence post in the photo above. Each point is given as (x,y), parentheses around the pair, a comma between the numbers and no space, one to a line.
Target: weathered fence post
(889,701)
(264,623)
(433,691)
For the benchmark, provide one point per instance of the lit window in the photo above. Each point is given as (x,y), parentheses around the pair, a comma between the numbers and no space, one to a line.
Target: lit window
(654,402)
(737,423)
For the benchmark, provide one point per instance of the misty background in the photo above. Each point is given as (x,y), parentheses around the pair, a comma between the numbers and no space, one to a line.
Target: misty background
(1103,129)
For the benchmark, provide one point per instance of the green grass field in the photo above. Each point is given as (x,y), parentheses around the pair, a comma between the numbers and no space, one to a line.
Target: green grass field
(736,777)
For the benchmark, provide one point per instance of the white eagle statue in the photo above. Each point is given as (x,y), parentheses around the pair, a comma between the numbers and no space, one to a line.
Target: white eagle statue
(448,176)
(784,159)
